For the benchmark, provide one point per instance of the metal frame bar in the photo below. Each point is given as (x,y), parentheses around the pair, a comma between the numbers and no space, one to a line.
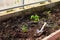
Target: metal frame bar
(23,4)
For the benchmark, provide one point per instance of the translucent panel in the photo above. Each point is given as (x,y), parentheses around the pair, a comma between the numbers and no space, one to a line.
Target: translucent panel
(5,4)
(32,1)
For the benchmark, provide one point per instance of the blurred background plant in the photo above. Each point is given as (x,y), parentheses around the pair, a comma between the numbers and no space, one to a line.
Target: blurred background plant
(24,28)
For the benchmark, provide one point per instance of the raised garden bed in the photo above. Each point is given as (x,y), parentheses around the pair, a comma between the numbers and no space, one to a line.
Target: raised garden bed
(25,27)
(53,36)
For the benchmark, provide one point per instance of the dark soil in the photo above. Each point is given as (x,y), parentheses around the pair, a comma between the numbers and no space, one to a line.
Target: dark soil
(11,29)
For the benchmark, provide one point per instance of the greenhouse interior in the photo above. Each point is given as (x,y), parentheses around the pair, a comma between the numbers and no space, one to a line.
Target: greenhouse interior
(29,19)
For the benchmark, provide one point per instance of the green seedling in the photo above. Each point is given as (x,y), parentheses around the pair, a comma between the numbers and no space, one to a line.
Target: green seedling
(35,18)
(24,28)
(49,12)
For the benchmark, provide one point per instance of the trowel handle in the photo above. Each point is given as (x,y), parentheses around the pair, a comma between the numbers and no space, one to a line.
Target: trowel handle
(43,25)
(38,31)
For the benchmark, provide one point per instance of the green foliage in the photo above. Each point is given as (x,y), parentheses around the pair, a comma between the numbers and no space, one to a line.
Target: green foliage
(24,28)
(35,18)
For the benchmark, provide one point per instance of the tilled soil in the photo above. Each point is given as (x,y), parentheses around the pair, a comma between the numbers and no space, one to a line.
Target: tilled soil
(11,29)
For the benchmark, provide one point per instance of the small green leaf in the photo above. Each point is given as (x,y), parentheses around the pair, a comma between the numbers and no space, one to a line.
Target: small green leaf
(32,17)
(35,18)
(24,28)
(48,12)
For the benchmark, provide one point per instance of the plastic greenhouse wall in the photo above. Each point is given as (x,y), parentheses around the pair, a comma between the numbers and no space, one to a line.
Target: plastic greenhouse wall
(6,4)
